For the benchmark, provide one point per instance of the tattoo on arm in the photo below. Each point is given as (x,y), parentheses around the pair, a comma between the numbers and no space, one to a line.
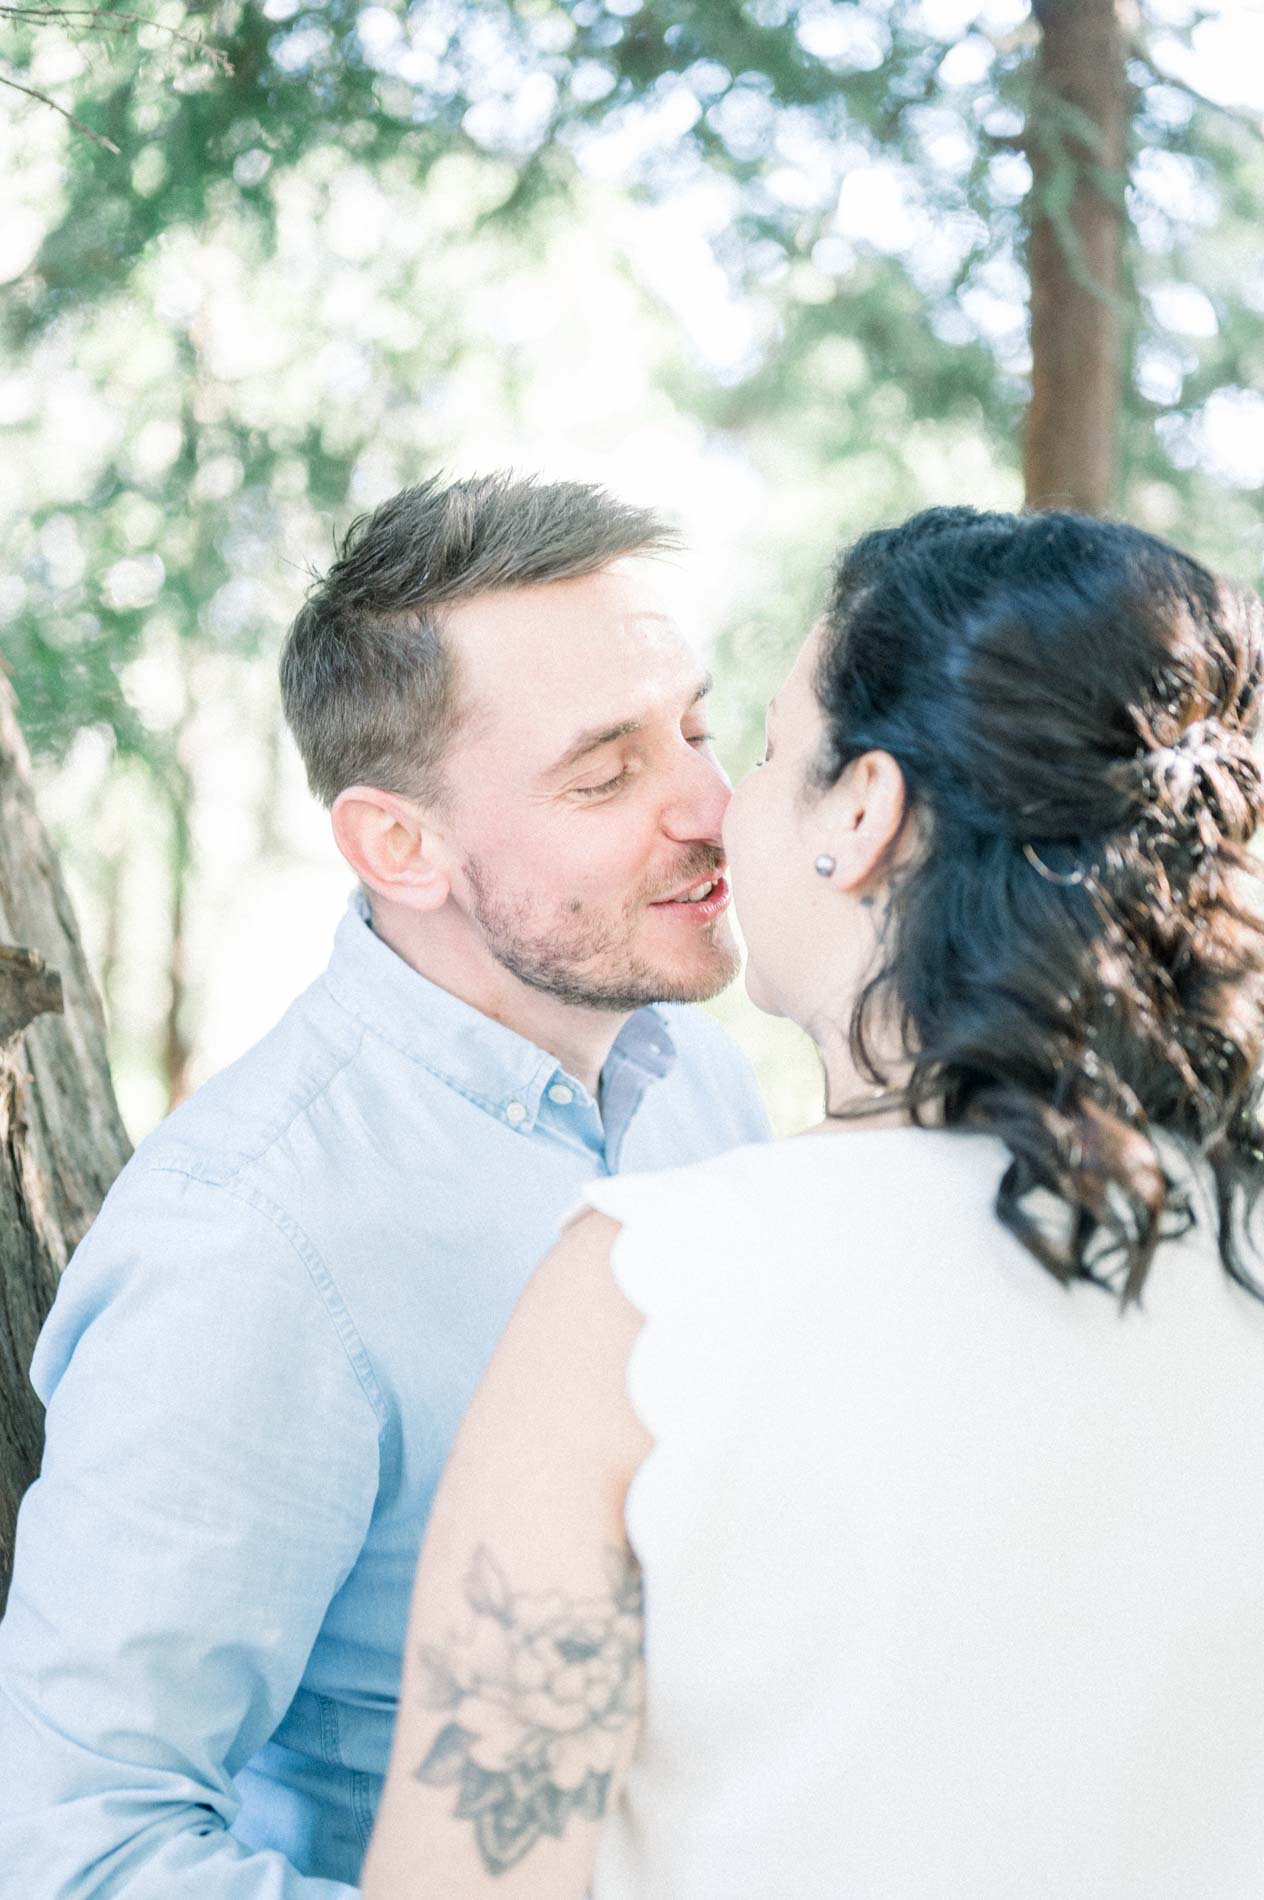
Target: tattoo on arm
(540,1695)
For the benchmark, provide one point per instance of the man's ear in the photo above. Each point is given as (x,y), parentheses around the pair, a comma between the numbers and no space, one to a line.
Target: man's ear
(864,812)
(391,847)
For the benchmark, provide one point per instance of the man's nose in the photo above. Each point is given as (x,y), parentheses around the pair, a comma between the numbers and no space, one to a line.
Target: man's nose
(700,799)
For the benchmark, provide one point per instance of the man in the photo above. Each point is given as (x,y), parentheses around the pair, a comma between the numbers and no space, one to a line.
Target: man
(258,1358)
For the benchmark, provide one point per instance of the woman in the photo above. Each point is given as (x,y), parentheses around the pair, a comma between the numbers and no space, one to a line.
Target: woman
(943,1460)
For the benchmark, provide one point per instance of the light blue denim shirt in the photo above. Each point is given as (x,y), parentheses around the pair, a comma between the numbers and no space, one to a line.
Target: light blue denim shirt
(253,1371)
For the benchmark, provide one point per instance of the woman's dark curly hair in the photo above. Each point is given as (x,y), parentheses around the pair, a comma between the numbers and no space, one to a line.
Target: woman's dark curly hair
(1075,950)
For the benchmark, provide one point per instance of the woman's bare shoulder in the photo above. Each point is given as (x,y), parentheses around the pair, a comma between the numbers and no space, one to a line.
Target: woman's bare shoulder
(561,1366)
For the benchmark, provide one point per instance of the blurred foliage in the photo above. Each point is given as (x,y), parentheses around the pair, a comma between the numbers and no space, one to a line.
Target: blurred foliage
(349,243)
(443,125)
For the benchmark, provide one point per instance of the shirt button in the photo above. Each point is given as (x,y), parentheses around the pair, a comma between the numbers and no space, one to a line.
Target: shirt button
(515,1112)
(560,1094)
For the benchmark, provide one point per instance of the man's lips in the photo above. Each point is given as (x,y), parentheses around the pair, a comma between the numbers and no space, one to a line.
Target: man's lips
(697,911)
(714,876)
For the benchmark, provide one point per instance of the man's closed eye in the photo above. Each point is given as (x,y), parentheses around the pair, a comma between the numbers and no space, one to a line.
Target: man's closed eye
(591,791)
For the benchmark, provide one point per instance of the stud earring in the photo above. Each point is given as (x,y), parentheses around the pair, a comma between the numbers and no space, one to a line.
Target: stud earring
(825,865)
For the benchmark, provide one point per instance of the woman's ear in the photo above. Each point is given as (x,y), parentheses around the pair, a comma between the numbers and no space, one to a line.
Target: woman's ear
(390,847)
(863,814)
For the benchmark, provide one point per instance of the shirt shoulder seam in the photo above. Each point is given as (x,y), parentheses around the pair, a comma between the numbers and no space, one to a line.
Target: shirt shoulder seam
(322,1280)
(224,1173)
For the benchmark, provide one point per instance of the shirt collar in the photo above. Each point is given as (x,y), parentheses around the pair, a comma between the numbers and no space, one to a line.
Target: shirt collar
(491,1064)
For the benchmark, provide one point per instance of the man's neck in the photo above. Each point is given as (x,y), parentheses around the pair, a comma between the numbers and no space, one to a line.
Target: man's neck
(580,1039)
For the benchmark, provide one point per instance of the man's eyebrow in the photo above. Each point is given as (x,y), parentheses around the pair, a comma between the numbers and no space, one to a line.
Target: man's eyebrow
(597,736)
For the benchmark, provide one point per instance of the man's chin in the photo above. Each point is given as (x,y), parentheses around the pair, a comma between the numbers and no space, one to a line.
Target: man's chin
(623,991)
(616,979)
(700,985)
(666,986)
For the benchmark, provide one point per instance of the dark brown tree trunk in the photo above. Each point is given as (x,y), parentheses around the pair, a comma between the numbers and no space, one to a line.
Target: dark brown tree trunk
(62,1140)
(1076,141)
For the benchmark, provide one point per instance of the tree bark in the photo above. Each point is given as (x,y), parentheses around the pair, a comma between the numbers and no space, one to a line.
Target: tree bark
(62,1140)
(1076,142)
(177,1050)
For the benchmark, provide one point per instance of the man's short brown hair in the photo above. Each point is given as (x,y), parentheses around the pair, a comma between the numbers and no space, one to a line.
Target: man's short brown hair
(369,688)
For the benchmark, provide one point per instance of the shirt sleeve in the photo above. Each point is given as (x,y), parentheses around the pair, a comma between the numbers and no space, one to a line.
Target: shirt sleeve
(210,1469)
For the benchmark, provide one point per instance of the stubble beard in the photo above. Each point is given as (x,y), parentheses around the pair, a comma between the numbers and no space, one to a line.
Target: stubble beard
(589,965)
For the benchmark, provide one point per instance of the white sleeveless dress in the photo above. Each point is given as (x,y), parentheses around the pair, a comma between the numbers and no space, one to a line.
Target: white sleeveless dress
(954,1578)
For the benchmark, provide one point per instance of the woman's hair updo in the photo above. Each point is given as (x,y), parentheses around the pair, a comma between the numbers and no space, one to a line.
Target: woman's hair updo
(1075,950)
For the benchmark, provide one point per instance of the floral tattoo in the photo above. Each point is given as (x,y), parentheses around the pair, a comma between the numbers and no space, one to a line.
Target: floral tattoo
(546,1690)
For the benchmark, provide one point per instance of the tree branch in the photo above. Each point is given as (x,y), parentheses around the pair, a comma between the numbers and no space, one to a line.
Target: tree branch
(28,988)
(110,20)
(98,138)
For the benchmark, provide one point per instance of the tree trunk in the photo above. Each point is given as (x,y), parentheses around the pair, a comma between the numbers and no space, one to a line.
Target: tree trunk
(178,789)
(177,1050)
(61,1137)
(1076,142)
